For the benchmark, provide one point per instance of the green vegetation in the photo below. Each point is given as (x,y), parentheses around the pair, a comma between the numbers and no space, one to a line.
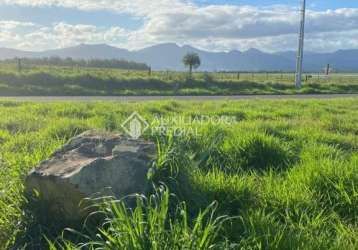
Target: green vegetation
(72,81)
(284,176)
(192,61)
(75,63)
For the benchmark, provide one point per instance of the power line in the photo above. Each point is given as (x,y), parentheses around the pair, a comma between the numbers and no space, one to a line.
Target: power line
(300,46)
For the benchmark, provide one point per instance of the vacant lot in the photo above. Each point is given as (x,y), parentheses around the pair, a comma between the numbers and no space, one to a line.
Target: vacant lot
(54,81)
(286,172)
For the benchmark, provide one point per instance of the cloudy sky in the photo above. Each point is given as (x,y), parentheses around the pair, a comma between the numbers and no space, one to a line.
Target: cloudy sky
(216,25)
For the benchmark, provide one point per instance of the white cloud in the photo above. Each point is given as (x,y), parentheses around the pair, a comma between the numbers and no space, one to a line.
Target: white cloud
(11,31)
(57,35)
(10,25)
(214,27)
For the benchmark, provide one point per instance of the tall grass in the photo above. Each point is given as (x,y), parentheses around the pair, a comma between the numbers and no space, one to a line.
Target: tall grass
(151,226)
(285,170)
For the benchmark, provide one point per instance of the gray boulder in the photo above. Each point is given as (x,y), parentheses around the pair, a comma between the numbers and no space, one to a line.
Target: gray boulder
(93,164)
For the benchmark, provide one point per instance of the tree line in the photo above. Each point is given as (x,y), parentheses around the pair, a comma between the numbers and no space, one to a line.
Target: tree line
(70,62)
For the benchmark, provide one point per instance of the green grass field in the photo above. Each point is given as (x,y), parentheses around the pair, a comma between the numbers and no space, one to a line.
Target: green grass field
(72,81)
(284,176)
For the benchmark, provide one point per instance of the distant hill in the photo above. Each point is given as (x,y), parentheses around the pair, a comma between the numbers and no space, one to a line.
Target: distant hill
(169,56)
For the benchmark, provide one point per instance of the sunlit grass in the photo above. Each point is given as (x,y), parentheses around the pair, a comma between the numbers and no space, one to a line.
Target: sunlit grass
(286,174)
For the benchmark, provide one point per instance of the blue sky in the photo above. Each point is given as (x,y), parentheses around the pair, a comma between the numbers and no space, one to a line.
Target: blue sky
(218,25)
(45,15)
(48,15)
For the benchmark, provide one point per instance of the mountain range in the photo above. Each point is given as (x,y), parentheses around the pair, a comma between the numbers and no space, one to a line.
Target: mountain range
(169,56)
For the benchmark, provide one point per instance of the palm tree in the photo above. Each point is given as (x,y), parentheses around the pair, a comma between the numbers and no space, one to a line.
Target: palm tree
(191,60)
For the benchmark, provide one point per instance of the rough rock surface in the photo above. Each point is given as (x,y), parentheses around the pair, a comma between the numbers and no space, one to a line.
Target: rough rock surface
(93,164)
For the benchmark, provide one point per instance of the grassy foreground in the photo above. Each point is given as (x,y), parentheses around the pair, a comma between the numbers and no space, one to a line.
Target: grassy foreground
(67,81)
(284,176)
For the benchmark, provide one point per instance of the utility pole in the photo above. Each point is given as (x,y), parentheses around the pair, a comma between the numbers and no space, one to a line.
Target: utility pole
(300,46)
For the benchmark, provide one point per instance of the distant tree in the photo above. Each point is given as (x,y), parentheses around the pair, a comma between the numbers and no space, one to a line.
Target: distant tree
(192,61)
(70,62)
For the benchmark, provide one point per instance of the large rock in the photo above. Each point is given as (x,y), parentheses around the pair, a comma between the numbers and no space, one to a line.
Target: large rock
(93,164)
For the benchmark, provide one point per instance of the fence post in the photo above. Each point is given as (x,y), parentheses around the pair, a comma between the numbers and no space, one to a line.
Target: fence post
(19,67)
